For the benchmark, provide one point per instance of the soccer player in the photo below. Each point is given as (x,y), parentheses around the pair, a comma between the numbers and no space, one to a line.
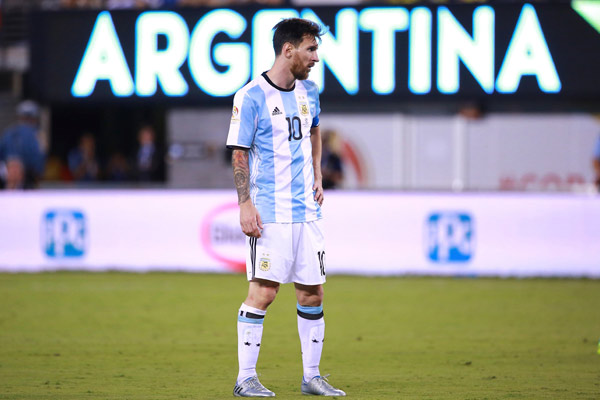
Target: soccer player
(276,143)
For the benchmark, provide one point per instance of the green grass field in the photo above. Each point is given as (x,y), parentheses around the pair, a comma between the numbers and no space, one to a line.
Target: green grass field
(173,336)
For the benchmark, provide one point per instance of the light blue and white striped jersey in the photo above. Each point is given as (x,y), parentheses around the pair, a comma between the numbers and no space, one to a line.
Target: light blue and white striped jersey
(275,123)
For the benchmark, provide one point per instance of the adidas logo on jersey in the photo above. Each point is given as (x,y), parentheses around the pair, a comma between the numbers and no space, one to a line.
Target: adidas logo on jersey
(276,111)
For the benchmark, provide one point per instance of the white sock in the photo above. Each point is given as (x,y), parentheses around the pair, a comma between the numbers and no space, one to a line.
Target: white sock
(250,329)
(311,328)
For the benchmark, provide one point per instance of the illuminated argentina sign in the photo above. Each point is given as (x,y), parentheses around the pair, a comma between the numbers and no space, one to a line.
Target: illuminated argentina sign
(383,53)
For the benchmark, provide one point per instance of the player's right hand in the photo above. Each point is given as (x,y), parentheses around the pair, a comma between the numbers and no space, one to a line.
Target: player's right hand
(250,219)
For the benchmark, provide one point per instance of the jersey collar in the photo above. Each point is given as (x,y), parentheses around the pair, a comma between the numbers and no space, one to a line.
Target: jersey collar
(270,82)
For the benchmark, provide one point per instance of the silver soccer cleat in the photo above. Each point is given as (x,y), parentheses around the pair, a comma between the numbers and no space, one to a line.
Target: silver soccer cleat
(320,386)
(251,387)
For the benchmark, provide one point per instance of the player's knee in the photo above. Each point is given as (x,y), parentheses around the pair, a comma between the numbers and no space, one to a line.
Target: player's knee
(311,301)
(262,296)
(268,295)
(310,298)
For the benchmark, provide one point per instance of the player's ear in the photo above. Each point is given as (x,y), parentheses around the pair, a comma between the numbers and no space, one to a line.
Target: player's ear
(287,49)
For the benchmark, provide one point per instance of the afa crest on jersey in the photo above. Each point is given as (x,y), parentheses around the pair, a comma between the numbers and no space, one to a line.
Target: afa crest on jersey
(303,108)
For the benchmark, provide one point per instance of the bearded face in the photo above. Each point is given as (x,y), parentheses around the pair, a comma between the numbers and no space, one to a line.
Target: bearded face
(300,69)
(304,58)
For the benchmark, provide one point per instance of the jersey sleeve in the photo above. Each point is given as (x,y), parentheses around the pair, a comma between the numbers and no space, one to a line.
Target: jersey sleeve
(313,91)
(244,118)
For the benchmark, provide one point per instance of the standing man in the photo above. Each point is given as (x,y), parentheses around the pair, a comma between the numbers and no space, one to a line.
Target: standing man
(276,143)
(22,161)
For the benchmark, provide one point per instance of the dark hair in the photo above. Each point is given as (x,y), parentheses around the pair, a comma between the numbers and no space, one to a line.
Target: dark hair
(293,30)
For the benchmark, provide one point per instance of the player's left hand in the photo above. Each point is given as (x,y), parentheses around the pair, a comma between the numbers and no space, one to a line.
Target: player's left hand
(318,190)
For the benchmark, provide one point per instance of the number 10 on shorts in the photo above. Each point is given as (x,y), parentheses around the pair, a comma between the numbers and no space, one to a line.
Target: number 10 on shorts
(321,255)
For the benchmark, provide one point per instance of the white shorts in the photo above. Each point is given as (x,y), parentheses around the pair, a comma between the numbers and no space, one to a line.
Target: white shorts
(293,252)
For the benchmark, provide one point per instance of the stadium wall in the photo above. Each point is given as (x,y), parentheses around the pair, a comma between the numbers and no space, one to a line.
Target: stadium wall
(368,233)
(395,150)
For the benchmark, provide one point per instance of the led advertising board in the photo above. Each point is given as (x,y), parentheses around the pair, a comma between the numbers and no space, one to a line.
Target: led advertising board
(473,234)
(491,53)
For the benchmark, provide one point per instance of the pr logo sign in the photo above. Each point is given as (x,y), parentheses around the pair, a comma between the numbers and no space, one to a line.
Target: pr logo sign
(449,237)
(64,233)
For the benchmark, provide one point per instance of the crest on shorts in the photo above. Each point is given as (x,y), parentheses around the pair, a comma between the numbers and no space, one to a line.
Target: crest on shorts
(265,264)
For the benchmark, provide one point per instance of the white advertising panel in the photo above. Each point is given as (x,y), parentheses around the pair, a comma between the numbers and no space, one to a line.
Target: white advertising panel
(367,233)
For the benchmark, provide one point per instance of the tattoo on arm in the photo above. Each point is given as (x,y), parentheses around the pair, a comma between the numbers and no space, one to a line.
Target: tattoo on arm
(241,173)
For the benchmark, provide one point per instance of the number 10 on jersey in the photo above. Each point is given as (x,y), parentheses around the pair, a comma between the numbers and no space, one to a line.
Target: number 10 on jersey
(292,125)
